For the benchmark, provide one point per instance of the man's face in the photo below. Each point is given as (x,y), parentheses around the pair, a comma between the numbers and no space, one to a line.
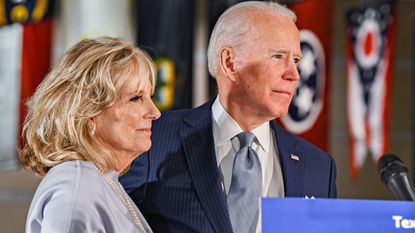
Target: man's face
(266,72)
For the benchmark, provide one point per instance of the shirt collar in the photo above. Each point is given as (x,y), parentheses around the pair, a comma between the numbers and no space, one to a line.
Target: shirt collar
(229,128)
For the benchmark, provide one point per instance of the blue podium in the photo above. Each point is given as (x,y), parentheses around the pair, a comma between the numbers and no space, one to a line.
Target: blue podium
(292,215)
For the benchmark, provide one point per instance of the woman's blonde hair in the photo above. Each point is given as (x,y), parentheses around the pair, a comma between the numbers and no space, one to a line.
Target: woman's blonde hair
(85,82)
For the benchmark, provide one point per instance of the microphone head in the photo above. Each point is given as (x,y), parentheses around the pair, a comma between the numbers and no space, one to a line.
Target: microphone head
(389,166)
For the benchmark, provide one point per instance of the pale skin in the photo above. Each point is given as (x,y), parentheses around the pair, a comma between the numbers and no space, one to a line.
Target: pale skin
(125,128)
(258,85)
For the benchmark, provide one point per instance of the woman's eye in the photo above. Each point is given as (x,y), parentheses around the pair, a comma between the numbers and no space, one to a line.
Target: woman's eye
(136,98)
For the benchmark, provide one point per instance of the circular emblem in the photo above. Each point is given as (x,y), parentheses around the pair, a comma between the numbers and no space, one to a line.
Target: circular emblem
(308,100)
(368,43)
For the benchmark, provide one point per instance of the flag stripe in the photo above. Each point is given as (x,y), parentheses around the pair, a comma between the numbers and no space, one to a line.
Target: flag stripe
(35,62)
(10,53)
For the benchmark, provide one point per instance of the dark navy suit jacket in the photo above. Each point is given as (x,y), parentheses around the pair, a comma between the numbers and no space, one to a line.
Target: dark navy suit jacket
(177,184)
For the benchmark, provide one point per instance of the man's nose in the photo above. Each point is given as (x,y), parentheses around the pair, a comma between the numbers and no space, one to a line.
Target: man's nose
(291,72)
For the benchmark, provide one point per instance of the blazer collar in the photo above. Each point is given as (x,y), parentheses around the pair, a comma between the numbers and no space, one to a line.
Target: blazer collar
(198,145)
(292,162)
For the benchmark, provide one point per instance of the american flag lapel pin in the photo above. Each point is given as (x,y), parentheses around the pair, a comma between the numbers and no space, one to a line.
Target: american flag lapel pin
(295,157)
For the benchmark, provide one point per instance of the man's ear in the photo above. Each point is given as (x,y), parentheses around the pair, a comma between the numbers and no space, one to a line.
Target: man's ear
(227,62)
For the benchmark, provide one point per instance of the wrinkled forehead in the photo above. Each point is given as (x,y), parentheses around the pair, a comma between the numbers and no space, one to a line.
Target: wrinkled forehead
(276,31)
(265,21)
(135,84)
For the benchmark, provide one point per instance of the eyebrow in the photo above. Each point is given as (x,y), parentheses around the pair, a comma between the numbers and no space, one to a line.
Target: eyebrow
(128,94)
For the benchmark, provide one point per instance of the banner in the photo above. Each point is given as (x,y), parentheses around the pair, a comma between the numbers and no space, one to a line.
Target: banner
(165,30)
(25,54)
(370,41)
(308,114)
(320,215)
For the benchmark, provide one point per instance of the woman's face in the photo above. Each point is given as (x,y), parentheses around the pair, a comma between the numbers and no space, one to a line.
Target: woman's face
(125,127)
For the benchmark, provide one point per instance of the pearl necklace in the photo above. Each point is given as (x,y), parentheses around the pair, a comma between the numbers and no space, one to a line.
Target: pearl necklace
(123,196)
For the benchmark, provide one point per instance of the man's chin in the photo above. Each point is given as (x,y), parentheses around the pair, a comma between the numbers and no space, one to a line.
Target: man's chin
(280,113)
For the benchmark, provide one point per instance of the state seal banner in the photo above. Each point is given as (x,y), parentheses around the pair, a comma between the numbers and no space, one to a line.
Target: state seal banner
(308,114)
(370,42)
(165,31)
(25,56)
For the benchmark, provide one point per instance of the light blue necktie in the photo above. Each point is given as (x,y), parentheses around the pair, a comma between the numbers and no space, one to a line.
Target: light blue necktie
(246,185)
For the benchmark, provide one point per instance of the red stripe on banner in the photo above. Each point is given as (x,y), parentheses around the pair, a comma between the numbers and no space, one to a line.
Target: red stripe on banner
(354,171)
(36,60)
(367,129)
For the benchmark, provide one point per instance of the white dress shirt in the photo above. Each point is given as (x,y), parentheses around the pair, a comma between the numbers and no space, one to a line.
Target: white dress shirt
(226,146)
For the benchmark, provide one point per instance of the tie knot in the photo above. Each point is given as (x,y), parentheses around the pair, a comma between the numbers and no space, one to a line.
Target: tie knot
(245,139)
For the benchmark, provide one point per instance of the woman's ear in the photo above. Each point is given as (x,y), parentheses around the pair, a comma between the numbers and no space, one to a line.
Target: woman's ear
(227,62)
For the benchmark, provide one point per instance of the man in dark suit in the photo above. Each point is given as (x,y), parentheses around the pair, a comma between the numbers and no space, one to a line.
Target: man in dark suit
(183,183)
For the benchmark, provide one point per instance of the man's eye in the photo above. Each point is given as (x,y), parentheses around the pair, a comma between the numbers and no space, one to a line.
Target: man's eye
(278,56)
(136,98)
(296,60)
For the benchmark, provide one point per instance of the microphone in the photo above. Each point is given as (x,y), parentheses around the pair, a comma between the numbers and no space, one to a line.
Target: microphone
(394,175)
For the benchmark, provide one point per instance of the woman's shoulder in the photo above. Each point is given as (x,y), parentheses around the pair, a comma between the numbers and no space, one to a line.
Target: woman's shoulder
(63,198)
(70,174)
(71,181)
(73,168)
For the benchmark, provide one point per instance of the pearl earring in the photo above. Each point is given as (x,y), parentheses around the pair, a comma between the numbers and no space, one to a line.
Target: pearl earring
(91,129)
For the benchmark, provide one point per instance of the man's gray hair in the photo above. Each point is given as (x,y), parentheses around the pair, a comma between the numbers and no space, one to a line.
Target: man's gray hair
(233,25)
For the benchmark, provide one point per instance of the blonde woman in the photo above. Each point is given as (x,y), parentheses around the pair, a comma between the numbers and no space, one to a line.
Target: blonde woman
(88,119)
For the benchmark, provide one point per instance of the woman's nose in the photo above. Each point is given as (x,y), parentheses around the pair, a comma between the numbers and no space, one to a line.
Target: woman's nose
(153,112)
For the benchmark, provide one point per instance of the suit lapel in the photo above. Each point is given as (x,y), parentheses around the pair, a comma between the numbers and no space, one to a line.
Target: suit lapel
(198,145)
(292,162)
